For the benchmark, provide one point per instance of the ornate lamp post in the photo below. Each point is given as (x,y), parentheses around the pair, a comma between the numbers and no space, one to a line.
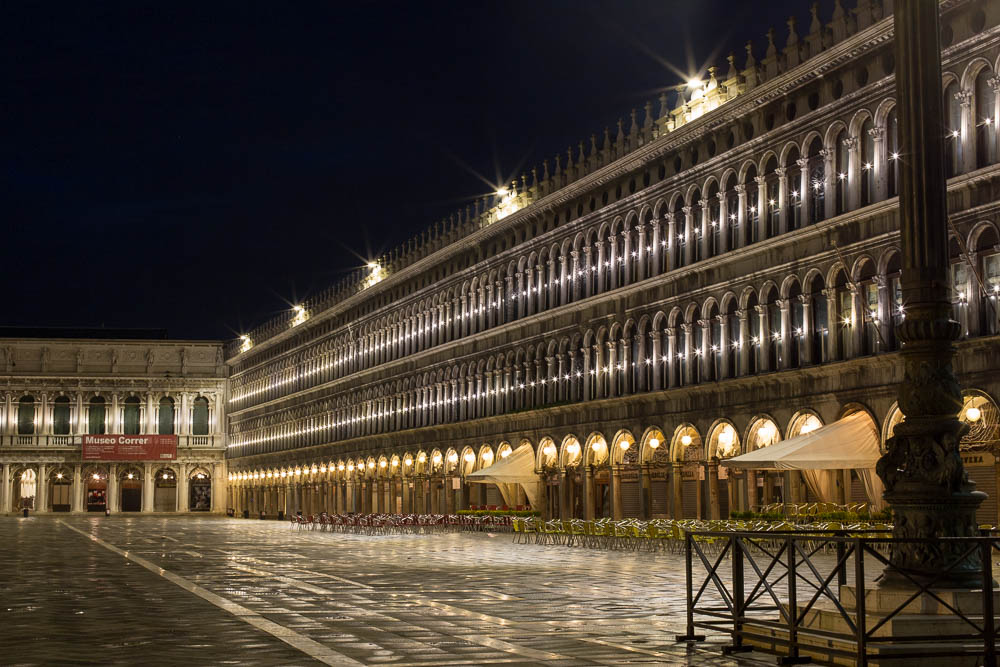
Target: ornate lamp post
(925,481)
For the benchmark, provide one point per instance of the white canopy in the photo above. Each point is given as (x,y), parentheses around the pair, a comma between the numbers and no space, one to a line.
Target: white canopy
(517,468)
(848,443)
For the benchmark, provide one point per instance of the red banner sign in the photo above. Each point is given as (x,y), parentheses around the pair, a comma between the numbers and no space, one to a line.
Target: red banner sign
(129,447)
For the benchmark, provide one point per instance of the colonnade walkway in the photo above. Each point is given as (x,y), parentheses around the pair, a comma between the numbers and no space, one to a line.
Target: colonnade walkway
(254,593)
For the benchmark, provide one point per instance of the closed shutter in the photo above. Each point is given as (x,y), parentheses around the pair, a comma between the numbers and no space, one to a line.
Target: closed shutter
(858,494)
(660,498)
(723,498)
(985,478)
(631,502)
(493,496)
(690,491)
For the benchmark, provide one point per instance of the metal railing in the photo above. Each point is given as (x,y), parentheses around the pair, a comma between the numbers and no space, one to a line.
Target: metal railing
(778,583)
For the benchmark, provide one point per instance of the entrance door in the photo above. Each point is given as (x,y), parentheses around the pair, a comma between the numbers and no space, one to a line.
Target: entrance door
(201,495)
(61,490)
(97,497)
(165,494)
(131,496)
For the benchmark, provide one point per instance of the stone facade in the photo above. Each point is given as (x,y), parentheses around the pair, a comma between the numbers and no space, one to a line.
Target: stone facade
(57,391)
(709,281)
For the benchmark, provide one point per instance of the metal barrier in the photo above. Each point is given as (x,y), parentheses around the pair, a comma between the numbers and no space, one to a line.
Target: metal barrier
(787,580)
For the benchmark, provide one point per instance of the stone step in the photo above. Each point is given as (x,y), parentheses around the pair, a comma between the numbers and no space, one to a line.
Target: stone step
(886,600)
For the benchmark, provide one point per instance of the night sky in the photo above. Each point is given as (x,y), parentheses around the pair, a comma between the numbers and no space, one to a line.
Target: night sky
(199,166)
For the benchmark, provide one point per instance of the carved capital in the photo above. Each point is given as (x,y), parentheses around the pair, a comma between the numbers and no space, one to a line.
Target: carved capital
(781,171)
(802,162)
(877,133)
(740,188)
(850,143)
(964,97)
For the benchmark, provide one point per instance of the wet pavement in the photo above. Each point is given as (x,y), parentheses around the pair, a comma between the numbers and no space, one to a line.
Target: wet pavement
(165,591)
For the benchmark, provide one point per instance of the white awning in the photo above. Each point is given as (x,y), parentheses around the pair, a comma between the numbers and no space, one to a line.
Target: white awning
(517,468)
(848,443)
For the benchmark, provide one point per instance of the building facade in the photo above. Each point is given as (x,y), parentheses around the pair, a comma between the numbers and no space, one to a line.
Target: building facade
(709,279)
(77,414)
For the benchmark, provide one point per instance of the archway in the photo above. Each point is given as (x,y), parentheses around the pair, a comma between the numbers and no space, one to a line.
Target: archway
(130,490)
(979,449)
(688,455)
(765,486)
(654,472)
(200,490)
(724,443)
(95,493)
(25,488)
(165,490)
(60,490)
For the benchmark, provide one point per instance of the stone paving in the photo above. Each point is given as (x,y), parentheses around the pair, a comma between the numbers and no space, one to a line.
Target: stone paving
(82,590)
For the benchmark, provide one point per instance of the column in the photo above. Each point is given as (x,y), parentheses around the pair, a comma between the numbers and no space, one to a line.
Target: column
(616,492)
(712,475)
(613,261)
(741,215)
(589,504)
(687,367)
(853,173)
(688,234)
(147,487)
(805,337)
(677,485)
(671,240)
(760,204)
(784,357)
(745,346)
(763,358)
(783,225)
(805,191)
(705,230)
(723,222)
(725,349)
(830,182)
(657,360)
(641,253)
(76,499)
(42,489)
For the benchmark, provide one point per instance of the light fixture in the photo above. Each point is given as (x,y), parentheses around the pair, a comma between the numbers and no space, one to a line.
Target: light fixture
(130,476)
(488,455)
(549,450)
(436,459)
(421,458)
(470,457)
(810,425)
(382,464)
(371,465)
(96,476)
(59,475)
(625,444)
(766,432)
(505,453)
(573,448)
(654,443)
(685,439)
(408,461)
(973,414)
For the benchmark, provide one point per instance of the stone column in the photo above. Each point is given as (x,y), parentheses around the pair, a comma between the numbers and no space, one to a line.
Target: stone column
(805,337)
(705,230)
(830,182)
(672,359)
(725,349)
(833,324)
(588,272)
(745,343)
(671,241)
(76,500)
(677,485)
(712,474)
(147,487)
(613,261)
(616,492)
(783,224)
(805,191)
(763,358)
(784,357)
(741,215)
(589,501)
(688,234)
(759,205)
(640,253)
(723,222)
(688,366)
(42,489)
(657,360)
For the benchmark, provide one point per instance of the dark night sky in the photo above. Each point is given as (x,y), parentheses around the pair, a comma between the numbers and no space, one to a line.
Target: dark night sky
(200,165)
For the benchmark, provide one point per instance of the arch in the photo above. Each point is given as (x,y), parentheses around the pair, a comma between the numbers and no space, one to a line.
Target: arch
(652,442)
(596,449)
(547,454)
(622,444)
(686,444)
(723,440)
(762,431)
(802,422)
(570,451)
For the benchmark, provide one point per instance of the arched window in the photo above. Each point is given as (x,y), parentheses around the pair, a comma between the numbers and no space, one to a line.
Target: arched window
(753,358)
(953,128)
(896,311)
(793,181)
(96,414)
(734,342)
(892,153)
(131,416)
(199,416)
(772,198)
(714,224)
(817,182)
(60,416)
(752,216)
(733,207)
(986,124)
(819,326)
(26,415)
(797,325)
(166,416)
(866,143)
(677,243)
(841,163)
